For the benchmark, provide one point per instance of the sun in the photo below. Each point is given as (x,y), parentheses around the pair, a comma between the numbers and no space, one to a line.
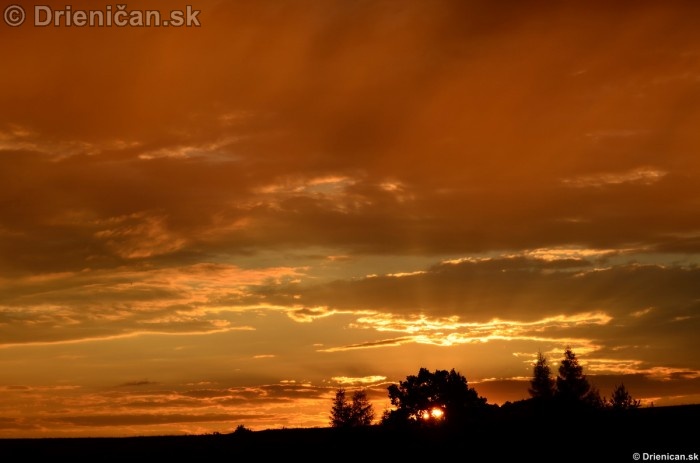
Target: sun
(435,413)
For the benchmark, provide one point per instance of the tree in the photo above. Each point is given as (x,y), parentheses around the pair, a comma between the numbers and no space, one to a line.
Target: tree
(542,383)
(340,412)
(593,399)
(358,413)
(361,410)
(622,400)
(432,397)
(241,429)
(572,384)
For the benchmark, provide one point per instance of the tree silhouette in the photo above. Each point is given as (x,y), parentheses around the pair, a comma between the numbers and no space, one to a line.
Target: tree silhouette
(340,412)
(572,385)
(593,398)
(432,397)
(542,383)
(622,400)
(361,410)
(358,413)
(241,429)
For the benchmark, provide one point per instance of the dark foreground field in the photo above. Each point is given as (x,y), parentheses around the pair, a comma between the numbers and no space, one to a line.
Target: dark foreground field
(609,437)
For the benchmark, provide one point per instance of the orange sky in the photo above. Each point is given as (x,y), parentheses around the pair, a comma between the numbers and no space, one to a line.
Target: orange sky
(220,225)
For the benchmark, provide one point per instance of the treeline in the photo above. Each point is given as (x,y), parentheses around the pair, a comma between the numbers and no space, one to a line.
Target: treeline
(571,387)
(444,397)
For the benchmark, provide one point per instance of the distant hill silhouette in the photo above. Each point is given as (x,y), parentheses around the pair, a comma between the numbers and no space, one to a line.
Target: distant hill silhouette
(603,436)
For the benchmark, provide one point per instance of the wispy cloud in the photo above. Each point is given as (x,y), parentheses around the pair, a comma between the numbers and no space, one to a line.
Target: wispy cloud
(642,175)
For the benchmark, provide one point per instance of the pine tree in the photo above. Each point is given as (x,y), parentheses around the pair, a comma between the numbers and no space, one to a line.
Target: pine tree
(572,385)
(593,399)
(341,411)
(622,400)
(358,413)
(542,383)
(361,410)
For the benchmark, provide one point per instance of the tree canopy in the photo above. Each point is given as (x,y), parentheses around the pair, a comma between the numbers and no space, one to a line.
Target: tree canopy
(431,397)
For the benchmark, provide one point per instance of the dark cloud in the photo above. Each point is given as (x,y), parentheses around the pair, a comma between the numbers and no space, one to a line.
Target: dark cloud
(508,288)
(17,424)
(148,419)
(138,383)
(206,393)
(371,344)
(429,109)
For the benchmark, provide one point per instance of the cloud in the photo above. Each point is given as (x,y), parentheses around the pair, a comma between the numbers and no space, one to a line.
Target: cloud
(612,313)
(97,305)
(644,176)
(428,147)
(518,289)
(200,209)
(131,334)
(363,380)
(120,409)
(395,342)
(25,389)
(144,382)
(206,393)
(145,419)
(16,424)
(148,238)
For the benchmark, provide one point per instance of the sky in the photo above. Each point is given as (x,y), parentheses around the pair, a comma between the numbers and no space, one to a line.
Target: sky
(202,227)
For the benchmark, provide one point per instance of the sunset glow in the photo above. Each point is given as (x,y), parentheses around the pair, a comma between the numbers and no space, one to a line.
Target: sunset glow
(203,227)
